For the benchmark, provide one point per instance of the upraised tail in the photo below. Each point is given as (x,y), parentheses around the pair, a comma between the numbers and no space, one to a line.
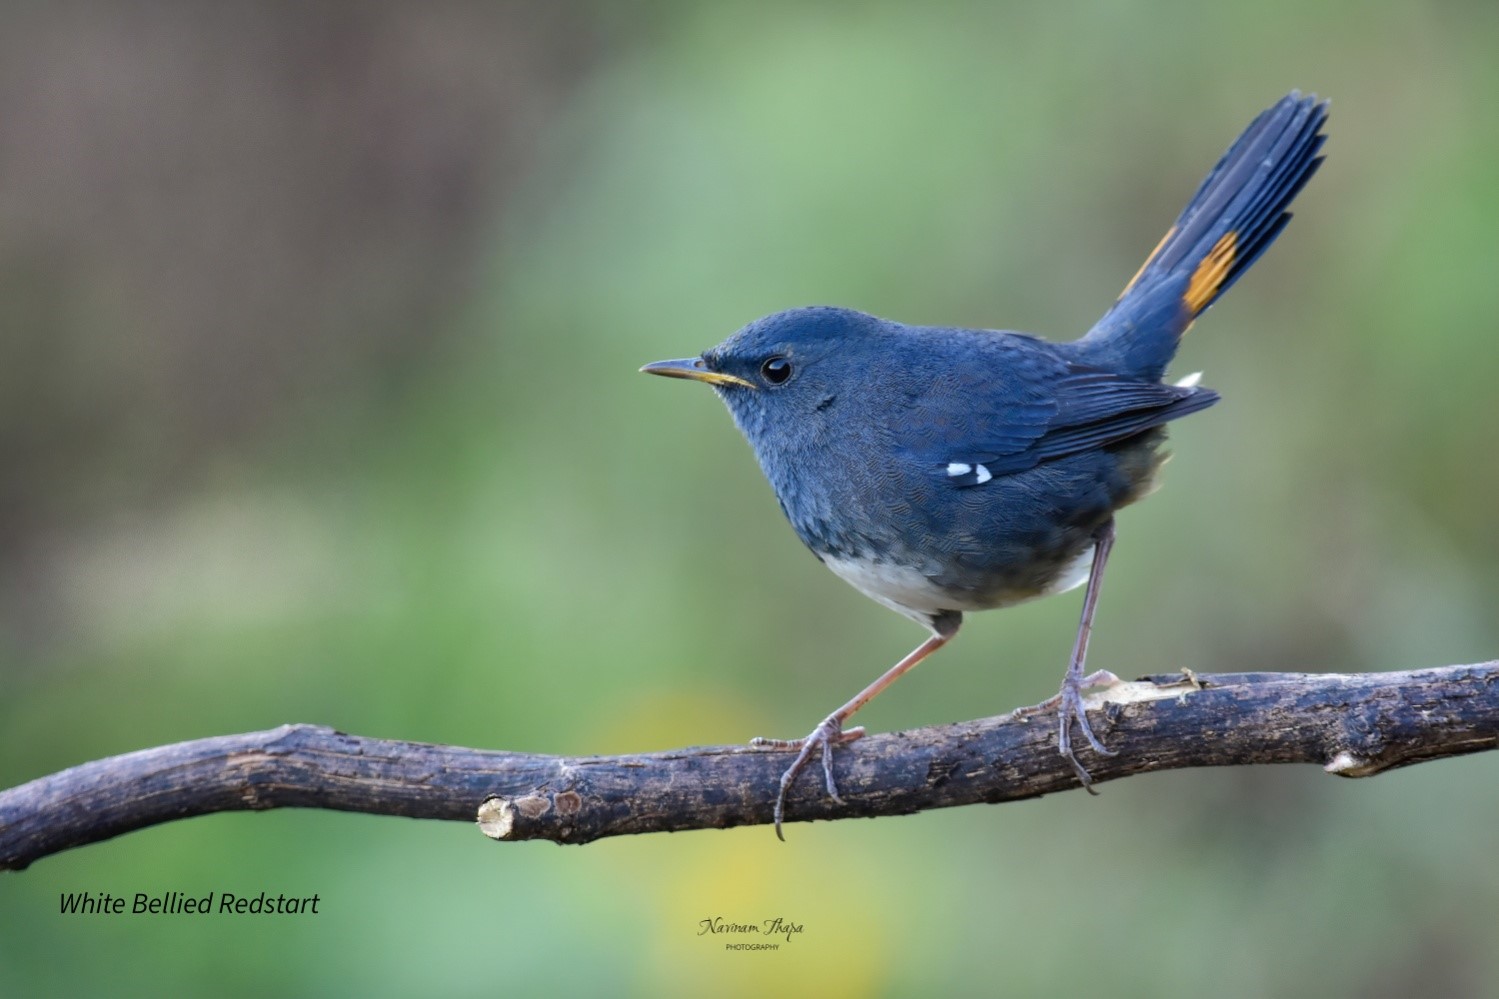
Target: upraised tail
(1232,219)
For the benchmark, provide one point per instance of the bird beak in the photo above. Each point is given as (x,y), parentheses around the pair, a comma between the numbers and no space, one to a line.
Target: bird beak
(692,367)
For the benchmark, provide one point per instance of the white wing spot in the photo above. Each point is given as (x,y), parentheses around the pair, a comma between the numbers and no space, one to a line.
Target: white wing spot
(982,474)
(957,468)
(1190,381)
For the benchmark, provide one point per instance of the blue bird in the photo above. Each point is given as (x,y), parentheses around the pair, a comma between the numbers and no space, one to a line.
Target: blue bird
(941,471)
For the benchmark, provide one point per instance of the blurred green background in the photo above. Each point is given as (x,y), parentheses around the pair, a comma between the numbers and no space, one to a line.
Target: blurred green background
(318,335)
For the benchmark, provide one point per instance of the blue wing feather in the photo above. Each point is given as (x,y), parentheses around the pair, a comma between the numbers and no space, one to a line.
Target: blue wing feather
(1022,402)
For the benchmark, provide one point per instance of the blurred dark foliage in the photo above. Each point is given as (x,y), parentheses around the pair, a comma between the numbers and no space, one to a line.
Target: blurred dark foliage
(231,181)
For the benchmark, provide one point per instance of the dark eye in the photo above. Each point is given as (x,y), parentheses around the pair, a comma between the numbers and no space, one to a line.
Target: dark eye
(775,369)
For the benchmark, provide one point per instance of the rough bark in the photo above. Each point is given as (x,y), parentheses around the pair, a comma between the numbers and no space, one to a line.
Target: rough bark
(1354,725)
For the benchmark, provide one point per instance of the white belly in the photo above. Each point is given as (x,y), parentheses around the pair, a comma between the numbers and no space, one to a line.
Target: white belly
(912,593)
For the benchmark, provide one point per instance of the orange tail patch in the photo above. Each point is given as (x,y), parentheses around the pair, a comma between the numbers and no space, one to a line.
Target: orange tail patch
(1209,275)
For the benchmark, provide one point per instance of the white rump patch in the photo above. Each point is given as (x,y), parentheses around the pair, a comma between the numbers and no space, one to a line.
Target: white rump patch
(957,468)
(982,474)
(1190,381)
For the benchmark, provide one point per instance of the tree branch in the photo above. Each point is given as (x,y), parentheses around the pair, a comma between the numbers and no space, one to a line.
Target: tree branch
(1355,725)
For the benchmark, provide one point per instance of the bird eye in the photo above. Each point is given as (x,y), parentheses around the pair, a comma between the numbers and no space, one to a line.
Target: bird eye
(776,369)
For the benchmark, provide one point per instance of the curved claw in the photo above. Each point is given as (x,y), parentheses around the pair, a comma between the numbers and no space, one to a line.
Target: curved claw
(825,736)
(1070,708)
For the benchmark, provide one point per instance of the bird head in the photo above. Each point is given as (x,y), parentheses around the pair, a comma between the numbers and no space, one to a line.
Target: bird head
(787,376)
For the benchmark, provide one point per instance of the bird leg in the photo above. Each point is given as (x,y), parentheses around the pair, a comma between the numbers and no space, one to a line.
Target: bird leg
(830,732)
(1070,697)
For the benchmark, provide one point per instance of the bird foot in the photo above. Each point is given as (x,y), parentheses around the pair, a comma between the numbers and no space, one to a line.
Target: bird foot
(1069,704)
(1101,678)
(825,736)
(1070,707)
